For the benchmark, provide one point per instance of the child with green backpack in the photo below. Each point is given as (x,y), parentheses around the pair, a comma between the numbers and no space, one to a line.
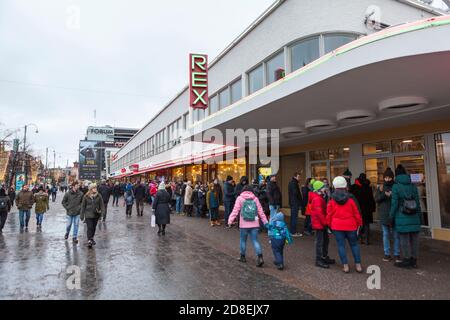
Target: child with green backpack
(279,236)
(251,212)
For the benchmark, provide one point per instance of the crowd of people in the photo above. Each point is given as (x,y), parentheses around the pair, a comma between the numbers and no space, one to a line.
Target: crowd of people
(342,209)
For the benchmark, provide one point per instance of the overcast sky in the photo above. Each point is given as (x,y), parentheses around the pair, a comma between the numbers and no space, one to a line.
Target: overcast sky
(126,60)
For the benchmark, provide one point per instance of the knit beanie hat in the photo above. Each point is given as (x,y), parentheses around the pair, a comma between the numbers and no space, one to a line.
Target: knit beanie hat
(340,183)
(348,173)
(388,173)
(318,185)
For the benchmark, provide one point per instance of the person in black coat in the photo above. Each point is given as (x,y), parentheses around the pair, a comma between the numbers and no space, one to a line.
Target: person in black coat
(105,191)
(364,195)
(295,202)
(116,193)
(229,198)
(12,195)
(162,209)
(274,196)
(139,194)
(240,186)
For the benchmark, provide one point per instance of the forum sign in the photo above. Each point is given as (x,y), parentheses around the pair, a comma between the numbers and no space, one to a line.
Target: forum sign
(198,82)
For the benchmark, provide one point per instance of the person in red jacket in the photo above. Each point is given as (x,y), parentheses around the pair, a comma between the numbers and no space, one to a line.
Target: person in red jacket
(344,218)
(318,211)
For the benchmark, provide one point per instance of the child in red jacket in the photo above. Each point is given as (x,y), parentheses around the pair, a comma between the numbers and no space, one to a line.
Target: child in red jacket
(318,210)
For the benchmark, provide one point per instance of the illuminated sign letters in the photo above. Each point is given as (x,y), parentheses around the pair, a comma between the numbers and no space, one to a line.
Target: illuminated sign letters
(198,82)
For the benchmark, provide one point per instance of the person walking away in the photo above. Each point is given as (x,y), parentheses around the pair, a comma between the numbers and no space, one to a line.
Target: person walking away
(41,207)
(128,201)
(274,195)
(188,199)
(178,196)
(228,199)
(139,194)
(72,203)
(241,185)
(5,208)
(212,202)
(24,202)
(54,192)
(203,208)
(344,219)
(406,215)
(92,209)
(364,195)
(250,211)
(318,210)
(195,199)
(306,189)
(383,199)
(116,194)
(295,201)
(162,209)
(153,191)
(12,196)
(183,195)
(279,236)
(105,191)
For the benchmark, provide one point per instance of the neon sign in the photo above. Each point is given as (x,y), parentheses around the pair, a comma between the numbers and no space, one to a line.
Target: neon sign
(198,81)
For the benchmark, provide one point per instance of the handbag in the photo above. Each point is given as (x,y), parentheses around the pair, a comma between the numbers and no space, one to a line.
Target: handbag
(153,221)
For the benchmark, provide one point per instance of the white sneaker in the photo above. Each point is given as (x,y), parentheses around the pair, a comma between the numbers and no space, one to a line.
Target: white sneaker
(297,235)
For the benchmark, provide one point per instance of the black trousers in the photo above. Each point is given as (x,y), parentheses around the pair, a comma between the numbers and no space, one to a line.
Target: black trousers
(106,210)
(140,206)
(322,242)
(115,200)
(3,217)
(91,227)
(129,209)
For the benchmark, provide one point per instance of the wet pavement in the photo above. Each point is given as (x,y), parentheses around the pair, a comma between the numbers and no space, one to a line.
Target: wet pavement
(130,261)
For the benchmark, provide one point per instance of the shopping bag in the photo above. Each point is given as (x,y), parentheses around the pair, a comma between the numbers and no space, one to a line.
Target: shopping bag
(153,221)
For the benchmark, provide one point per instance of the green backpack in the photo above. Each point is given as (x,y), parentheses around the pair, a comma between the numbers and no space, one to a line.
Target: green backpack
(249,210)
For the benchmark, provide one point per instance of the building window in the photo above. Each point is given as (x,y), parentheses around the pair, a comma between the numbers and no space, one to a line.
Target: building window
(213,105)
(224,98)
(318,155)
(319,170)
(236,91)
(330,163)
(408,144)
(305,52)
(256,79)
(443,166)
(274,66)
(334,41)
(185,121)
(377,148)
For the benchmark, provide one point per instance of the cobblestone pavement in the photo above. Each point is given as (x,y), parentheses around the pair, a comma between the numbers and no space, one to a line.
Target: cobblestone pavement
(129,262)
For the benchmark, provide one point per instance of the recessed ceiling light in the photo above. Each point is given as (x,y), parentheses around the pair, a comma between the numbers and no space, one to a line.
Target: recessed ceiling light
(403,104)
(319,125)
(355,116)
(407,141)
(346,149)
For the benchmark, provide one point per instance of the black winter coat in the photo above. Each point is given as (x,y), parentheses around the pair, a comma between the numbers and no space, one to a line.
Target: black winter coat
(161,207)
(139,192)
(105,191)
(295,196)
(364,195)
(274,194)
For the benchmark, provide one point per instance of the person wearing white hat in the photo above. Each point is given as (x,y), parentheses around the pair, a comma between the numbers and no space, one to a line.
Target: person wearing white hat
(344,218)
(162,208)
(92,209)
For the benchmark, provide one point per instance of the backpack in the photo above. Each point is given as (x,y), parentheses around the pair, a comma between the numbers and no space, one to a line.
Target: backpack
(3,204)
(129,199)
(249,210)
(409,206)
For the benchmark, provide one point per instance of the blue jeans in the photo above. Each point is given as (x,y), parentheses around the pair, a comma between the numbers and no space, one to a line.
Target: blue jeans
(273,210)
(294,219)
(75,220)
(352,238)
(387,231)
(278,248)
(228,209)
(214,214)
(39,218)
(178,205)
(24,218)
(253,233)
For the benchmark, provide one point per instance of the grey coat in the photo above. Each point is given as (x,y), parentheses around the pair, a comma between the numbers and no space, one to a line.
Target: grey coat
(92,208)
(72,202)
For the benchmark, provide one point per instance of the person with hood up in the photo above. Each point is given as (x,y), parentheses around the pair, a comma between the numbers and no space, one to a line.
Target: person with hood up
(344,219)
(406,215)
(279,235)
(41,207)
(92,209)
(383,198)
(250,211)
(318,210)
(241,185)
(162,208)
(364,195)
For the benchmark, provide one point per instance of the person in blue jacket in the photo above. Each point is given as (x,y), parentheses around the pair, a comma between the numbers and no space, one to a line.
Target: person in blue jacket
(279,236)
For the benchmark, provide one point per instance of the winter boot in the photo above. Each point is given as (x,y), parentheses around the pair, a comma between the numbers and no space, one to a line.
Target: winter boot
(327,260)
(260,261)
(322,264)
(75,241)
(413,263)
(242,259)
(66,236)
(406,264)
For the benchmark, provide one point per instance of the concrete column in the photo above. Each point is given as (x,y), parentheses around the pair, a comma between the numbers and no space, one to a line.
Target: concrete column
(356,162)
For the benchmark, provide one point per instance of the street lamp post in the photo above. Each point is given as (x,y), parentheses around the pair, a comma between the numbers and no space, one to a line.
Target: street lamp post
(24,167)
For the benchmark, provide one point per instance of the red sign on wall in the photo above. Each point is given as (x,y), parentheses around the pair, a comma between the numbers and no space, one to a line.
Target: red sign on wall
(198,82)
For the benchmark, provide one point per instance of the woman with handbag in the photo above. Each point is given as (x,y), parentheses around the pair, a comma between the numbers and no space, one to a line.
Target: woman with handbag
(92,209)
(406,214)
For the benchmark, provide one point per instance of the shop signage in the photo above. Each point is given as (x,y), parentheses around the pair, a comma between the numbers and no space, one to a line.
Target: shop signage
(100,134)
(134,168)
(198,81)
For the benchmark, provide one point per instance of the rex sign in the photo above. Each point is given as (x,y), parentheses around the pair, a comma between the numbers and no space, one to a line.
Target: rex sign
(198,82)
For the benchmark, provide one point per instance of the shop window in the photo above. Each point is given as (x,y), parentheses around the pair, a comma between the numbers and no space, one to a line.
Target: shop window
(236,170)
(318,155)
(339,153)
(319,170)
(224,98)
(304,53)
(194,173)
(178,174)
(443,165)
(377,148)
(274,66)
(334,41)
(236,91)
(408,145)
(375,169)
(337,168)
(256,79)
